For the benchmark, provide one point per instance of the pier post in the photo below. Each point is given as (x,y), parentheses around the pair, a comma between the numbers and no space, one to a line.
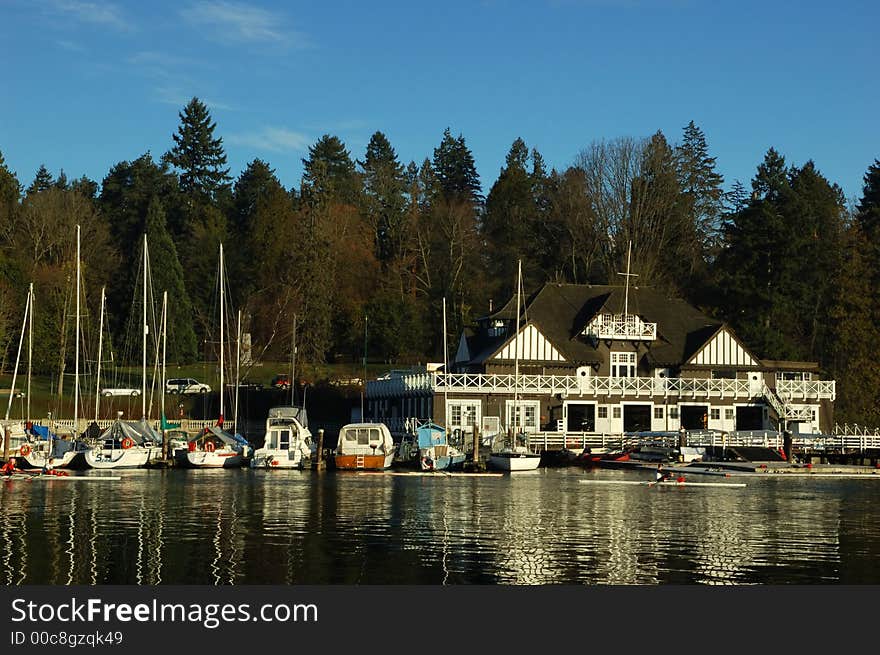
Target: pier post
(786,445)
(7,437)
(476,444)
(320,464)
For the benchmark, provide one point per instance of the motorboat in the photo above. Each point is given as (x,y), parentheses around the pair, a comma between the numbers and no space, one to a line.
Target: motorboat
(364,446)
(288,441)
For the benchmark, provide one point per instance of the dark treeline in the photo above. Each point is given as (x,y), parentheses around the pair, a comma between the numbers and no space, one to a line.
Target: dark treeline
(375,243)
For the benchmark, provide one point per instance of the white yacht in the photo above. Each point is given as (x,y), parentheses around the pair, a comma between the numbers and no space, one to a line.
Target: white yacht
(288,440)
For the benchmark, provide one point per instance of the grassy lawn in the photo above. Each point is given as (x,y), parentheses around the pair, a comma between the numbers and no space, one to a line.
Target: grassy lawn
(44,398)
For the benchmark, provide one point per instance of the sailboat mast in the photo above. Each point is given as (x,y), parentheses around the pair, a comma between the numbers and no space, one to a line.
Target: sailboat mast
(626,294)
(100,350)
(445,370)
(516,418)
(30,348)
(27,307)
(221,331)
(145,329)
(293,366)
(164,349)
(237,371)
(76,349)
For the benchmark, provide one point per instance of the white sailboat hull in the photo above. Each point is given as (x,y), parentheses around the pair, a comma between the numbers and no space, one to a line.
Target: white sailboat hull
(37,459)
(211,459)
(278,459)
(102,458)
(514,461)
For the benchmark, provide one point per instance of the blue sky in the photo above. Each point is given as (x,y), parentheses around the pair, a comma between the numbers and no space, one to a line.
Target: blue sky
(88,83)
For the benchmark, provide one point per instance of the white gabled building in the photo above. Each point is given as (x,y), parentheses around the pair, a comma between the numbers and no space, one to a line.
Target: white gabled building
(599,359)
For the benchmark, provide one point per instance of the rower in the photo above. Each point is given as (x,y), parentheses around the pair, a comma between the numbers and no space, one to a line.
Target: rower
(9,467)
(661,475)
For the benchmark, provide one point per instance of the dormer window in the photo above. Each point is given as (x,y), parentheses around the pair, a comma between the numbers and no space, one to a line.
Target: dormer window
(627,327)
(623,365)
(497,328)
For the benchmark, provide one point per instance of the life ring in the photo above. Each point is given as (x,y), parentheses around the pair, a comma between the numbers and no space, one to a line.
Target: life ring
(127,443)
(209,446)
(25,450)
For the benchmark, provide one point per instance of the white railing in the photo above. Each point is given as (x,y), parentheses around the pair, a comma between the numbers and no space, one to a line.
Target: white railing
(806,389)
(425,383)
(621,326)
(577,441)
(62,426)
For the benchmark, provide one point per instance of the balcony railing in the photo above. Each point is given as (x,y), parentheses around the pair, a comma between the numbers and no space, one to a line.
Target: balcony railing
(621,326)
(570,385)
(806,389)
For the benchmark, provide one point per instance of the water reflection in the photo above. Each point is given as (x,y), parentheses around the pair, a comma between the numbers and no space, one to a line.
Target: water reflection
(297,527)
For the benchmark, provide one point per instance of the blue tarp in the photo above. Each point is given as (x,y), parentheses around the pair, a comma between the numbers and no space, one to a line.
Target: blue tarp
(40,431)
(431,434)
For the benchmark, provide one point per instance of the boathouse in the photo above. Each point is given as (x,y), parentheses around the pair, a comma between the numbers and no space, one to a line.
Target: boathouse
(605,359)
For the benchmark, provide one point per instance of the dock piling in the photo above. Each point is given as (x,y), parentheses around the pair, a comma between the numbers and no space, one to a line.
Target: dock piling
(320,464)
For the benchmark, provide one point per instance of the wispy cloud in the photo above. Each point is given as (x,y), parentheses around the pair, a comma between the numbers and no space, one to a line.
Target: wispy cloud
(242,23)
(70,46)
(98,13)
(178,98)
(273,139)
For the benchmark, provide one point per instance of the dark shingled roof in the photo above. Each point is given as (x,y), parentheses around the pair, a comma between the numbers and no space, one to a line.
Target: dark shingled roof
(561,311)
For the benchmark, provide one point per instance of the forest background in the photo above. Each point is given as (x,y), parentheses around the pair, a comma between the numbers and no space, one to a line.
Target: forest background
(367,248)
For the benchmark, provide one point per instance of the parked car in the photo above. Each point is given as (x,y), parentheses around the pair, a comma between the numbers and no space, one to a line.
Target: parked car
(281,381)
(120,392)
(186,385)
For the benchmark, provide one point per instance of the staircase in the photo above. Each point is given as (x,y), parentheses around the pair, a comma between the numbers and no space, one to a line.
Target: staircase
(784,411)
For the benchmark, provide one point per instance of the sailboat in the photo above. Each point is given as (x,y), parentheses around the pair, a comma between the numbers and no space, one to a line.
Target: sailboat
(126,444)
(436,453)
(515,457)
(13,433)
(213,447)
(50,451)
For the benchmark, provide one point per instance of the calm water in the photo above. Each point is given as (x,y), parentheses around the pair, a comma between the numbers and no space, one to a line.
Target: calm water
(274,527)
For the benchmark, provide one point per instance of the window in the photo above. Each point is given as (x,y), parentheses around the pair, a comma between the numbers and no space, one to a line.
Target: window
(673,412)
(658,412)
(524,416)
(728,414)
(463,414)
(284,439)
(603,411)
(715,413)
(799,376)
(616,412)
(363,437)
(724,375)
(455,414)
(623,365)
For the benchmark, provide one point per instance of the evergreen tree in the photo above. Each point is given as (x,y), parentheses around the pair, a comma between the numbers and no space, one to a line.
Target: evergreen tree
(43,181)
(384,196)
(329,173)
(167,274)
(86,187)
(700,187)
(198,155)
(868,208)
(264,223)
(509,225)
(781,260)
(454,170)
(10,195)
(126,193)
(854,320)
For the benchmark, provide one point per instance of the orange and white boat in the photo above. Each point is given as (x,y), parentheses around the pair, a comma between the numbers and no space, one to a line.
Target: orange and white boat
(364,446)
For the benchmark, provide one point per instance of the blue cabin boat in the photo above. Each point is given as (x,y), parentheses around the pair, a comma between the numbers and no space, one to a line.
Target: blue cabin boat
(435,451)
